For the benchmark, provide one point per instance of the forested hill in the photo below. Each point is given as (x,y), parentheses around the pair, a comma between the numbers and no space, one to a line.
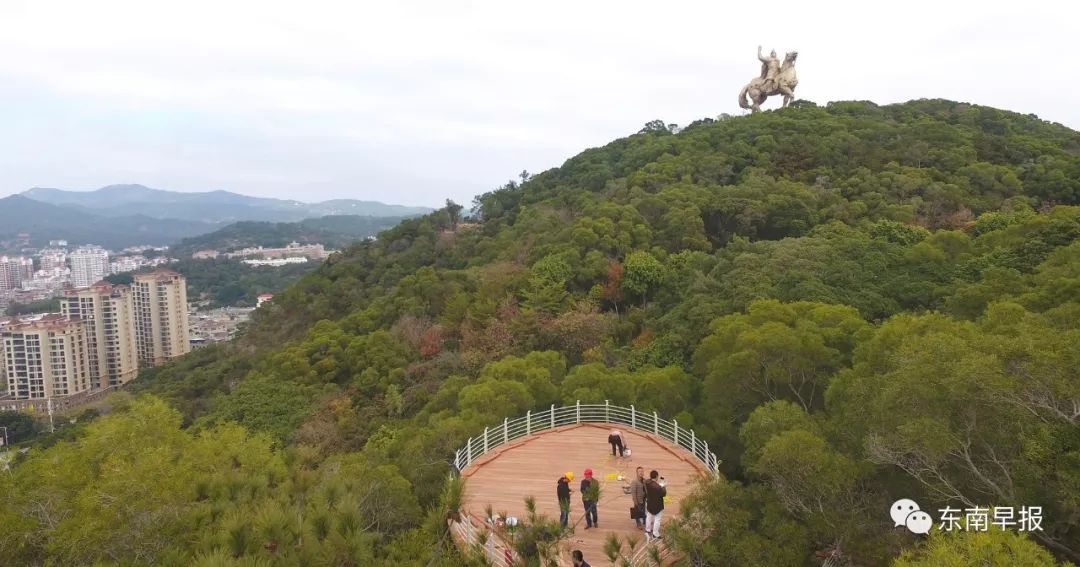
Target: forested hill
(332,231)
(755,180)
(853,304)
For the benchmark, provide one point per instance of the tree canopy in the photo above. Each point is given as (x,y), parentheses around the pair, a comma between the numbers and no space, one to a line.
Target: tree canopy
(851,303)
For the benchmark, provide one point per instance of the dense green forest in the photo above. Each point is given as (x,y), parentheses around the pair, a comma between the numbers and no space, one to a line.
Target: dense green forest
(51,305)
(332,231)
(852,304)
(224,282)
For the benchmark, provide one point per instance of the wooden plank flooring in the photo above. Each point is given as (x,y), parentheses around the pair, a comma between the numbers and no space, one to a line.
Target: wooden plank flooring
(533,465)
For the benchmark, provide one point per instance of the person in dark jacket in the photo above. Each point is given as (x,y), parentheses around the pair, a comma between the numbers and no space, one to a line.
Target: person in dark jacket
(637,495)
(655,491)
(562,491)
(616,441)
(590,488)
(579,559)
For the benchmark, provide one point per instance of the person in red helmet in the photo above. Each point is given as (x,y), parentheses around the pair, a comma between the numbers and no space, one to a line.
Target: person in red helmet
(590,494)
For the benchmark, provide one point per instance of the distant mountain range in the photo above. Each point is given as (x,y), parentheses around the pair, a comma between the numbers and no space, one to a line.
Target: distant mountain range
(46,222)
(118,216)
(210,206)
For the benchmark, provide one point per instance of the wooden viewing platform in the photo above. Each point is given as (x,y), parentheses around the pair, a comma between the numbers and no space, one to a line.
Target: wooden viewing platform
(532,465)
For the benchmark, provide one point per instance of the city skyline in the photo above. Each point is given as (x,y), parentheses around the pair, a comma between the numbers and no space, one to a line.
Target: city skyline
(99,340)
(46,273)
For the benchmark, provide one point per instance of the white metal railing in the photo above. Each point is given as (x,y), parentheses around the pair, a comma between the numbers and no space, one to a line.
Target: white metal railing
(533,422)
(499,553)
(494,549)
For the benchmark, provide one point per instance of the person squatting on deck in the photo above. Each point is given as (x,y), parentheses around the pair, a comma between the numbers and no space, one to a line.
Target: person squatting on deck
(562,491)
(655,491)
(590,495)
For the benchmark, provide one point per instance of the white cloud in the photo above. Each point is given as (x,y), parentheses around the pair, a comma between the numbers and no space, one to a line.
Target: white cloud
(416,101)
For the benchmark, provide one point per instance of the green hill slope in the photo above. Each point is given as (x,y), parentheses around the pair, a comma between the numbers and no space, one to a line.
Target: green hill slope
(852,304)
(332,231)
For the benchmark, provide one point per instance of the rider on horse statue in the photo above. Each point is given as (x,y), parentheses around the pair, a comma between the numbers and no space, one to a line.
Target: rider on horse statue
(770,69)
(776,79)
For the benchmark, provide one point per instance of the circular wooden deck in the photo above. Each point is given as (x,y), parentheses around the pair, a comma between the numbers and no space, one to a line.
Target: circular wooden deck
(532,466)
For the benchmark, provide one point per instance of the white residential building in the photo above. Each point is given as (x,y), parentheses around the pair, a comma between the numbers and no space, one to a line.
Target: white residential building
(123,264)
(108,312)
(277,261)
(55,278)
(45,358)
(161,317)
(14,270)
(313,251)
(89,264)
(53,258)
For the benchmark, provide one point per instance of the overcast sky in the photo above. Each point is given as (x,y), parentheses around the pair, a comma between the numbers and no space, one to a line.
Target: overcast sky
(413,102)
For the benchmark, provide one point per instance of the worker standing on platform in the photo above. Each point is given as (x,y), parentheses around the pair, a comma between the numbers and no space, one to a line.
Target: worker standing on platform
(655,492)
(590,494)
(562,491)
(637,494)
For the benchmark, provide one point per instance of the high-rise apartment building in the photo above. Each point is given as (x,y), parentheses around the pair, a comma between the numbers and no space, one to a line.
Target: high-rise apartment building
(26,268)
(108,312)
(14,270)
(9,278)
(45,358)
(53,258)
(161,319)
(9,274)
(104,334)
(5,322)
(89,264)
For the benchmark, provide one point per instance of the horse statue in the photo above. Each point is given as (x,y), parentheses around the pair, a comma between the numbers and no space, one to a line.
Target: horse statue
(775,79)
